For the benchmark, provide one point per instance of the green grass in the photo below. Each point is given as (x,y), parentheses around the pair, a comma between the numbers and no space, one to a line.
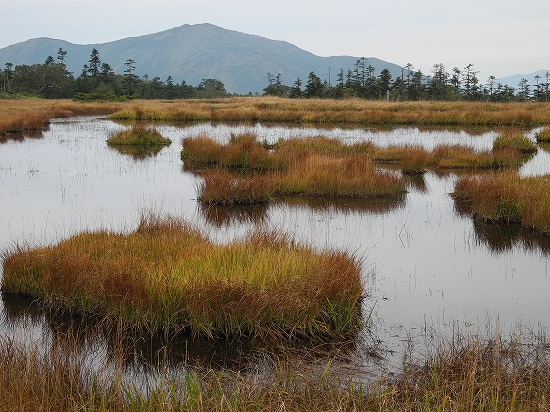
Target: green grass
(138,135)
(543,135)
(469,373)
(167,276)
(514,140)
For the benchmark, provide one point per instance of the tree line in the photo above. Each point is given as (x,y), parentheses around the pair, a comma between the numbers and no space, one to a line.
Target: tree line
(98,81)
(362,82)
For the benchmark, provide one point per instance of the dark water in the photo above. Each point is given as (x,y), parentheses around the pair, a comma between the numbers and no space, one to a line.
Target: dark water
(428,267)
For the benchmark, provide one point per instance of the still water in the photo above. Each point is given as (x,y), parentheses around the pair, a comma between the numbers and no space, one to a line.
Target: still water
(427,266)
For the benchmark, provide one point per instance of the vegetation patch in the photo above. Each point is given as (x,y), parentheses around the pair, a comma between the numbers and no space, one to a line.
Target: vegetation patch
(320,166)
(507,197)
(167,276)
(138,135)
(514,140)
(468,374)
(33,114)
(356,111)
(543,135)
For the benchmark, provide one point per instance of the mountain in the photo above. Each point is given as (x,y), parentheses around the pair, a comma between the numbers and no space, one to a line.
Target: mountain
(513,81)
(195,52)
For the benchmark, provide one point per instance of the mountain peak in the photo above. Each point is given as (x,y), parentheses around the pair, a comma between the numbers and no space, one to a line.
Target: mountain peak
(191,53)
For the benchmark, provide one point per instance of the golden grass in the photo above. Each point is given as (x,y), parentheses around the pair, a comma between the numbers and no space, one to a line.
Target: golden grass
(25,114)
(513,139)
(138,135)
(468,374)
(272,109)
(319,166)
(315,175)
(506,197)
(350,176)
(219,187)
(167,276)
(543,135)
(33,114)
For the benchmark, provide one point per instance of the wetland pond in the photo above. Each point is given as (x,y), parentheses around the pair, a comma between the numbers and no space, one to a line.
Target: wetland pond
(428,268)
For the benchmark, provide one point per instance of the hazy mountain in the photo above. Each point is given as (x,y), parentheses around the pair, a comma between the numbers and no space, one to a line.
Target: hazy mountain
(194,52)
(513,81)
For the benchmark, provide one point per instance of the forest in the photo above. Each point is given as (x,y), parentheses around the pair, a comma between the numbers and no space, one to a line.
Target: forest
(361,82)
(98,81)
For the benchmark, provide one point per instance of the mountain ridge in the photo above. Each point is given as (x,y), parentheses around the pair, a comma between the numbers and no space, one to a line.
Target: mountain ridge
(194,52)
(191,53)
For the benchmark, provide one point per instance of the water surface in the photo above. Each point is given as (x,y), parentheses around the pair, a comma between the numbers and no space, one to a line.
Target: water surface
(427,264)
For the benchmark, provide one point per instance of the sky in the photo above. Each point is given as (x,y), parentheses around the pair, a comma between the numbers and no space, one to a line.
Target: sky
(498,37)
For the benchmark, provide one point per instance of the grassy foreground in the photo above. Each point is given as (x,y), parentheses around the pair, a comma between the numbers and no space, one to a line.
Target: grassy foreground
(507,197)
(167,276)
(469,374)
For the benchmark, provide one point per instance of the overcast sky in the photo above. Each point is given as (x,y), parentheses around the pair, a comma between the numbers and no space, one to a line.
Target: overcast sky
(499,37)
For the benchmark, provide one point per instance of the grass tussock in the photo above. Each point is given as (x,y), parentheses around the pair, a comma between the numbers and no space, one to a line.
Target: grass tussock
(507,197)
(350,176)
(314,176)
(469,374)
(167,276)
(514,140)
(219,187)
(543,135)
(320,166)
(138,135)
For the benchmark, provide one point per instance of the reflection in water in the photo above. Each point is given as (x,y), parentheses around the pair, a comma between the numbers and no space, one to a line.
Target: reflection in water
(377,206)
(219,215)
(257,214)
(20,137)
(502,237)
(417,182)
(136,151)
(140,350)
(85,185)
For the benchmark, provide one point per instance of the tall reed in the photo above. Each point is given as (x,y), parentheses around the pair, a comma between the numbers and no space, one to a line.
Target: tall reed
(468,373)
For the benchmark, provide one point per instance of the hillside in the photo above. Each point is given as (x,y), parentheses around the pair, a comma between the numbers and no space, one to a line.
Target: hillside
(194,52)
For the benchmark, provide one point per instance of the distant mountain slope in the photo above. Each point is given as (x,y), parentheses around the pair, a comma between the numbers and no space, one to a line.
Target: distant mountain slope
(513,81)
(194,52)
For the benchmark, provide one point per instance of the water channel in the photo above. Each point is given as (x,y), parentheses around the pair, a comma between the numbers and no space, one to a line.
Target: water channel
(427,266)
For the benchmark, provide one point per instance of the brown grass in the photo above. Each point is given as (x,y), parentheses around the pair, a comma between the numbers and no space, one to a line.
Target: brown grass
(513,139)
(219,187)
(270,109)
(467,374)
(33,114)
(167,276)
(505,197)
(27,114)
